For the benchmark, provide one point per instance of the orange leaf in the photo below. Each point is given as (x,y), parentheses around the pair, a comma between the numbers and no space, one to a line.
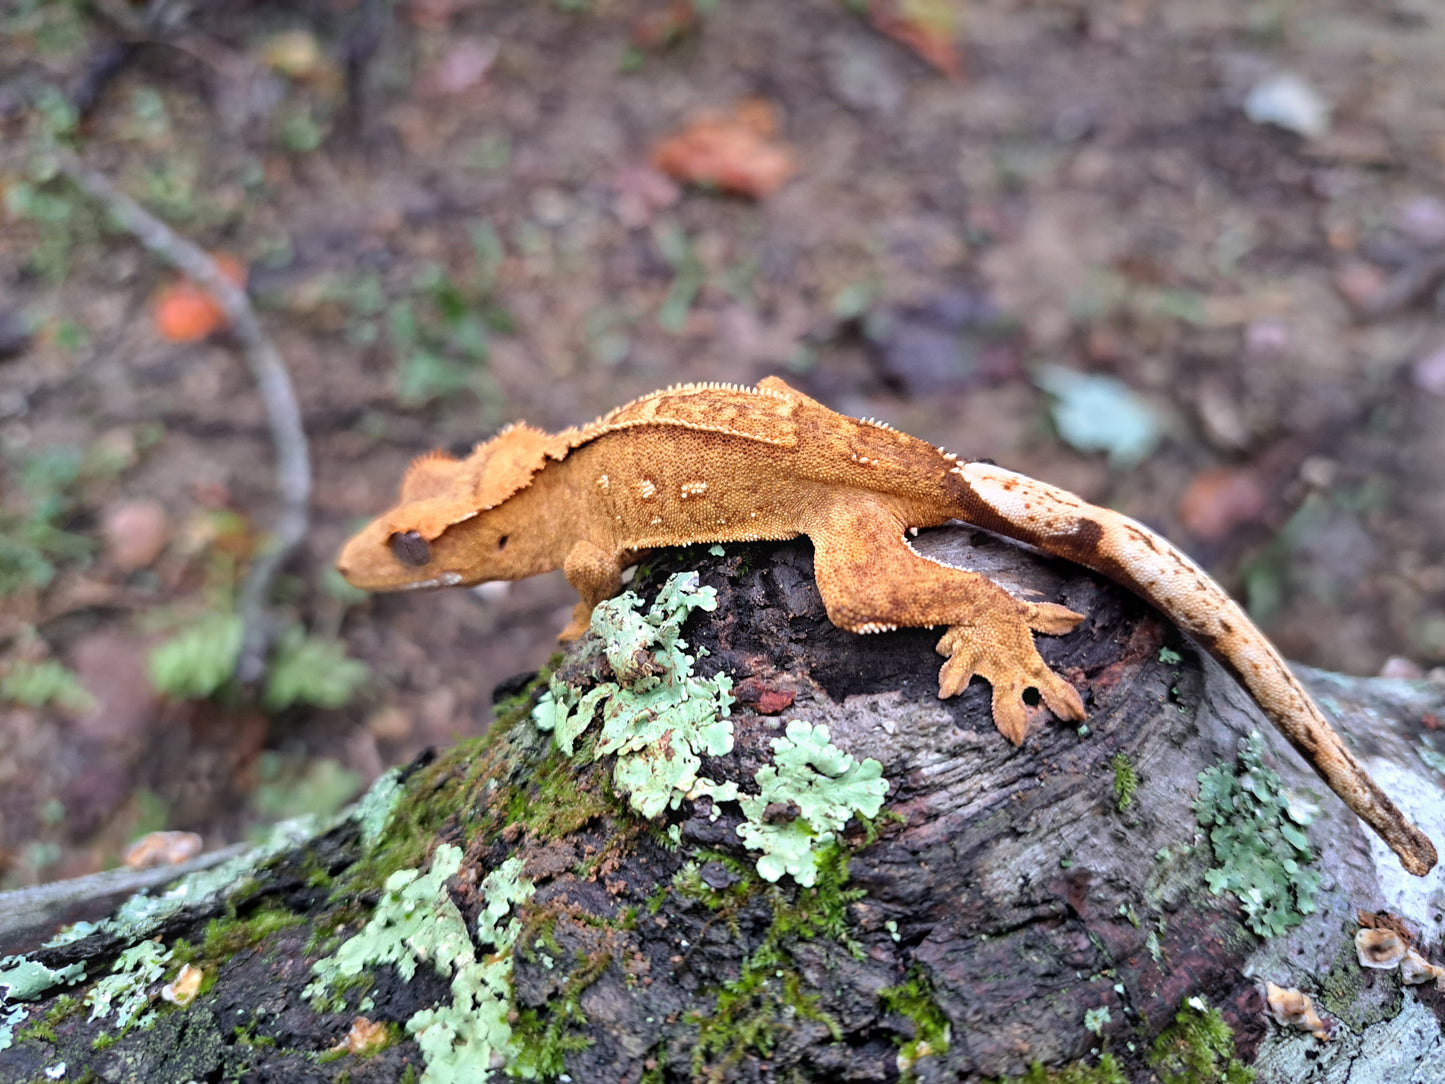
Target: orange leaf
(928,27)
(183,312)
(735,153)
(661,28)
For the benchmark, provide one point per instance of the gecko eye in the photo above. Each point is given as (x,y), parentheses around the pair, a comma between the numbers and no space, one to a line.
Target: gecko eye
(410,548)
(502,542)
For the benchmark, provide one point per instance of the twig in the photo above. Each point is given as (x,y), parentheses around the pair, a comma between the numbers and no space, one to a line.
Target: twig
(273,381)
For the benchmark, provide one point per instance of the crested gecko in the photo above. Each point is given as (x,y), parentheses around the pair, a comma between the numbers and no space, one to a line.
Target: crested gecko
(726,463)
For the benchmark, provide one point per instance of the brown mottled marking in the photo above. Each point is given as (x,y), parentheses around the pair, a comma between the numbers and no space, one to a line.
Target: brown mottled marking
(775,464)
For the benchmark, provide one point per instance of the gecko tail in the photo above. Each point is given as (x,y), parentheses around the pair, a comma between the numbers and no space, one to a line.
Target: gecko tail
(1063,524)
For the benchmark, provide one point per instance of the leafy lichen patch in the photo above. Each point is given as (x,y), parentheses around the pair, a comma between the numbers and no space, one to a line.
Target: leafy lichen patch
(658,717)
(126,991)
(823,784)
(418,922)
(1259,842)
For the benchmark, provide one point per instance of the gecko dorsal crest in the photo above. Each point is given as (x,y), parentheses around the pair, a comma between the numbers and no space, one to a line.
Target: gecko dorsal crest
(722,462)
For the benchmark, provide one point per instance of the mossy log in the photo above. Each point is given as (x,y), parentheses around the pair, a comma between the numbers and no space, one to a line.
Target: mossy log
(1044,911)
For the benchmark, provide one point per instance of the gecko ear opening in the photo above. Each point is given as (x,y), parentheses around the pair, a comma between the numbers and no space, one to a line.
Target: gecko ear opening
(410,548)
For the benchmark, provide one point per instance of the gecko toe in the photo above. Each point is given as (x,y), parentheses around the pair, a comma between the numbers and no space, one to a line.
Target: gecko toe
(1009,715)
(1051,619)
(1062,698)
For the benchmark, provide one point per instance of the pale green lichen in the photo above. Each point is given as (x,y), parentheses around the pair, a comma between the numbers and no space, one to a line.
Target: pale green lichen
(823,784)
(24,979)
(1258,840)
(373,809)
(127,991)
(658,718)
(417,922)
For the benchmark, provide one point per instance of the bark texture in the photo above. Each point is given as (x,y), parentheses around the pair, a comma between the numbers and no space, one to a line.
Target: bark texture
(1003,900)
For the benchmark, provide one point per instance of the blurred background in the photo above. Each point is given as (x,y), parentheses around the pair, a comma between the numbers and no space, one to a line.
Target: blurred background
(1185,259)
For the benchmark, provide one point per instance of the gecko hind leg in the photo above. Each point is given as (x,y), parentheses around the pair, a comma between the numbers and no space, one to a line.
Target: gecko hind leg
(870,580)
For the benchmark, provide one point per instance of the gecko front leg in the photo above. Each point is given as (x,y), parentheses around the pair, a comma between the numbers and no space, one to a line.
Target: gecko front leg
(597,575)
(871,581)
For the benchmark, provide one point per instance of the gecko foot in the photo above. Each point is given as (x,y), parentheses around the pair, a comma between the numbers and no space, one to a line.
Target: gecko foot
(580,623)
(1007,660)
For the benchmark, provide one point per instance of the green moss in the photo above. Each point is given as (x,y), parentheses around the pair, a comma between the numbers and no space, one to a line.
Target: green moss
(1258,840)
(931,1030)
(437,793)
(226,936)
(558,798)
(43,1029)
(1198,1048)
(511,710)
(752,1010)
(542,1043)
(1106,1072)
(1125,781)
(245,1035)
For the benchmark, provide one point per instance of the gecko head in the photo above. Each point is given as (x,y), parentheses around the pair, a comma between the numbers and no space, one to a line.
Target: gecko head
(450,527)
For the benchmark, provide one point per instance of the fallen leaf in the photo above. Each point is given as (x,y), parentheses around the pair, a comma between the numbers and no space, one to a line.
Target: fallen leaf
(928,27)
(664,27)
(1360,283)
(294,53)
(184,312)
(365,1035)
(135,532)
(465,64)
(162,849)
(737,153)
(1096,413)
(1220,499)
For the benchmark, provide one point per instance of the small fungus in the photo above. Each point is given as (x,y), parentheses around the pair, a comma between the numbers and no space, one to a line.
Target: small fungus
(1293,1008)
(182,990)
(162,849)
(1380,948)
(364,1037)
(1415,969)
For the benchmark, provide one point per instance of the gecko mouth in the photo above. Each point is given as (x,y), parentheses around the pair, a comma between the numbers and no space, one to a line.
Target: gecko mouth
(446,579)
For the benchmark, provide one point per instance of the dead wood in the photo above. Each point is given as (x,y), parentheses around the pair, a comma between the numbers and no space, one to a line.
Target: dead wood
(1003,900)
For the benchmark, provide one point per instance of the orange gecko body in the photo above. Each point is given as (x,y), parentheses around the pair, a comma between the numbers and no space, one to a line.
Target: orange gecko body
(723,463)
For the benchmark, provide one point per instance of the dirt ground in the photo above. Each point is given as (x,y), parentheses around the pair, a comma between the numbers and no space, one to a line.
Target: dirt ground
(451,218)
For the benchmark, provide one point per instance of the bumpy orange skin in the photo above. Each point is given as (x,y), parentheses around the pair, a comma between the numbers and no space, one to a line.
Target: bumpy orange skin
(723,463)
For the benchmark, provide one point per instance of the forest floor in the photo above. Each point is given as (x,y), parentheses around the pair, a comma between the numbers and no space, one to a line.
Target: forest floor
(451,217)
